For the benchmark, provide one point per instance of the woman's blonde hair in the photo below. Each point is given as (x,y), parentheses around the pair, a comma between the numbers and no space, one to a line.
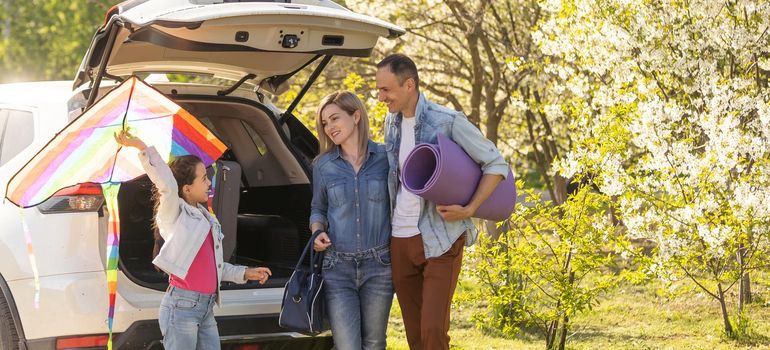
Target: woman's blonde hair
(350,103)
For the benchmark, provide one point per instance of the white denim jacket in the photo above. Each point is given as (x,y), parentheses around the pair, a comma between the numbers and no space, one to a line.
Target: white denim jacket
(184,227)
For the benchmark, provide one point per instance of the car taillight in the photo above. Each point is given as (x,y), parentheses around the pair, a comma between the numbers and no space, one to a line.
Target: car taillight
(90,341)
(76,199)
(248,347)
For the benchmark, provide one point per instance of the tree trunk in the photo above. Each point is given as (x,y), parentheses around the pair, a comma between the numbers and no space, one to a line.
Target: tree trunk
(613,211)
(550,335)
(743,276)
(746,288)
(565,320)
(550,341)
(725,316)
(563,336)
(7,22)
(744,292)
(559,189)
(494,232)
(493,126)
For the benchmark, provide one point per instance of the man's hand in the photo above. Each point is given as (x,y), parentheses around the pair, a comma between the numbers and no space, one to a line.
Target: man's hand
(322,242)
(260,274)
(455,212)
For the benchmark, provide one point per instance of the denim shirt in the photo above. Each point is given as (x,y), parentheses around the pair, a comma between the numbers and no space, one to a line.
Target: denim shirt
(439,235)
(352,206)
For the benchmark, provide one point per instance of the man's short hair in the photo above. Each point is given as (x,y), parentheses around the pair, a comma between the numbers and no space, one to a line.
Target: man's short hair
(402,66)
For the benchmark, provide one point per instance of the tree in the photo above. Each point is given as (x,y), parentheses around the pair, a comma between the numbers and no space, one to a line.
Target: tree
(675,125)
(43,40)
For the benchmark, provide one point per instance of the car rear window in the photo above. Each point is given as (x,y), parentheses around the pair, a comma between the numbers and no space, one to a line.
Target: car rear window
(17,130)
(261,147)
(259,144)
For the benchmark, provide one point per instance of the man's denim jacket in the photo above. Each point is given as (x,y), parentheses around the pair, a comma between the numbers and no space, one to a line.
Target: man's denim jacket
(439,235)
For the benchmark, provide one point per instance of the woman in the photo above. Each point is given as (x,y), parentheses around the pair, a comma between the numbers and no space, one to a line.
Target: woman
(350,209)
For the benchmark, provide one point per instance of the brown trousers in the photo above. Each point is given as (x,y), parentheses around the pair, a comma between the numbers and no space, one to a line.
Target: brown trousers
(424,288)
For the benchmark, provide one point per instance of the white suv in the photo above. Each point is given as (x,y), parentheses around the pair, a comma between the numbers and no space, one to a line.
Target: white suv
(240,55)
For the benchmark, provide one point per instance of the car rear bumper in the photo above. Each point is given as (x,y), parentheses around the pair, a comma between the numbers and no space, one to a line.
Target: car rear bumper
(233,330)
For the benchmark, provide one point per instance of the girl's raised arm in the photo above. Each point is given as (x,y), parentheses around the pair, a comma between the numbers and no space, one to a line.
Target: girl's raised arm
(160,174)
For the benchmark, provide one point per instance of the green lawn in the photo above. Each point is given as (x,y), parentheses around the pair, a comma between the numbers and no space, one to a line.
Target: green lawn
(636,317)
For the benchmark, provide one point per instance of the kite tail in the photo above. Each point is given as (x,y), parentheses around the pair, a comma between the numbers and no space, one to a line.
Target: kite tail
(31,256)
(110,191)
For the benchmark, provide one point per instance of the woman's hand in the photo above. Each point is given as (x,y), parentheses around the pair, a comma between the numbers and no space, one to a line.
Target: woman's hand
(124,138)
(322,242)
(260,274)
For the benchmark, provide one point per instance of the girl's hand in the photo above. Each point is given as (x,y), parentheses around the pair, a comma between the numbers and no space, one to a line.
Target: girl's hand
(125,139)
(260,274)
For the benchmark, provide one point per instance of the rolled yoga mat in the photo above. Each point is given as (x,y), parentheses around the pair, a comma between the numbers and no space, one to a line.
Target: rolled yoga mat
(444,174)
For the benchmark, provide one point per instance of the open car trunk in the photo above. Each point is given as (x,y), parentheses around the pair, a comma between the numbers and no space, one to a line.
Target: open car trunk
(265,42)
(262,196)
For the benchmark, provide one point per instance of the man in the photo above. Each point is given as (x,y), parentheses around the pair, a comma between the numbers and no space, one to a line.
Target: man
(427,239)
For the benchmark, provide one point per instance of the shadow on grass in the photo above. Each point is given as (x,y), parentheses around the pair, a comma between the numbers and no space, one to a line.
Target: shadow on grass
(750,340)
(595,335)
(529,334)
(591,334)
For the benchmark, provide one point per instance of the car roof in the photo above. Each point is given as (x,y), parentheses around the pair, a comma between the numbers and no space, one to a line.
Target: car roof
(35,94)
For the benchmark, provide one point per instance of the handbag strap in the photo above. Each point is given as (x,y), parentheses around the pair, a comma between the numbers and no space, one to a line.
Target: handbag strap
(313,255)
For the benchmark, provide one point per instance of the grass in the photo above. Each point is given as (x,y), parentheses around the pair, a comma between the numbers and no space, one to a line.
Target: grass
(634,317)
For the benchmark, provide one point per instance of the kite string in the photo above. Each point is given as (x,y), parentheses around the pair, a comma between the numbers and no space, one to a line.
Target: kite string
(124,127)
(128,104)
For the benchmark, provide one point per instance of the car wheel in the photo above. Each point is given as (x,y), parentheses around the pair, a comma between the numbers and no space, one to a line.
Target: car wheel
(9,340)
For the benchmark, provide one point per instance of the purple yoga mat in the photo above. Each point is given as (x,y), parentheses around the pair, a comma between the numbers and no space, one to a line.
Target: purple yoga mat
(444,174)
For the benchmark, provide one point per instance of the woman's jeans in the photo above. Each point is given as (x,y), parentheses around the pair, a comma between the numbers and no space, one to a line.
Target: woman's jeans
(187,320)
(358,291)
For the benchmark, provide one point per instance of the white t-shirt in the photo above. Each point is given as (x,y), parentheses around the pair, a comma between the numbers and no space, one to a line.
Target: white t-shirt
(407,212)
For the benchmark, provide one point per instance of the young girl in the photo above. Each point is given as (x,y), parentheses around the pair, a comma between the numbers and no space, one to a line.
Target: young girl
(351,208)
(192,253)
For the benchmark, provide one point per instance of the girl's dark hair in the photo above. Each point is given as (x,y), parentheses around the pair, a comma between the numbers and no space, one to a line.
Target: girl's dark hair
(183,168)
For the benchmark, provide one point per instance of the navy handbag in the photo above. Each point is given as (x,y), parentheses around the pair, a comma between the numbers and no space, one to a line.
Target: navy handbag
(303,309)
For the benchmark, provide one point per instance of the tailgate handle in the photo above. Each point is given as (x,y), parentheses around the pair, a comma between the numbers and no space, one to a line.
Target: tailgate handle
(333,40)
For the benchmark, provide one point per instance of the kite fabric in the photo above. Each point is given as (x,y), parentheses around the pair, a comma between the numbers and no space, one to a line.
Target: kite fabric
(85,150)
(444,174)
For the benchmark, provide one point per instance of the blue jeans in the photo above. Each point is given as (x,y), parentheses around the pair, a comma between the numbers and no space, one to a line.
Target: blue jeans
(359,291)
(187,320)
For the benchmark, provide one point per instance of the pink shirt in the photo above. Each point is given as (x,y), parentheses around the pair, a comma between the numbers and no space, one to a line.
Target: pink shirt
(202,275)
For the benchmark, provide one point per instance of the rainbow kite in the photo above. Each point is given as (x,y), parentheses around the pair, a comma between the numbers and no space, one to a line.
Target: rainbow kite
(86,152)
